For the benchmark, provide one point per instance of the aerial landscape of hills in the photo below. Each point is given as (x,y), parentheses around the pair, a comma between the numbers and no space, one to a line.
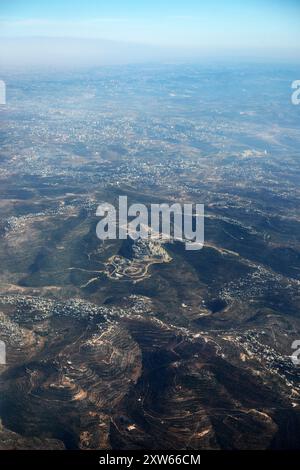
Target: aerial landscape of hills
(122,344)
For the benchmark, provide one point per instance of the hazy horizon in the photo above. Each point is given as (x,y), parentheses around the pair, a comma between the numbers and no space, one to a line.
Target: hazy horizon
(94,33)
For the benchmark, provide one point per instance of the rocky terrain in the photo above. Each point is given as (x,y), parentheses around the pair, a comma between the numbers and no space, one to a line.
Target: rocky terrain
(128,344)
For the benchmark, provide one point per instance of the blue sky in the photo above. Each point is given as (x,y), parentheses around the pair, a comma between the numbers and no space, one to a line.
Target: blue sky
(225,23)
(253,27)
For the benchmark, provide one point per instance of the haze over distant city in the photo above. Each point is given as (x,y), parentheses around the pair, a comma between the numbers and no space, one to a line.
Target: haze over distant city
(93,32)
